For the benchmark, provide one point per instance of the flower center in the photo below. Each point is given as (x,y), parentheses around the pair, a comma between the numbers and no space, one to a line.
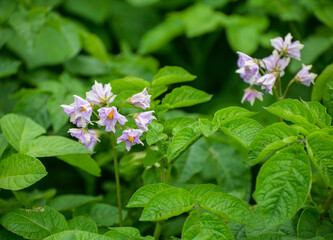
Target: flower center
(131,138)
(110,116)
(83,109)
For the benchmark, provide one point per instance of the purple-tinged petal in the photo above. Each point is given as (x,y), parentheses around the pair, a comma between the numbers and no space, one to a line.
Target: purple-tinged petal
(141,99)
(267,82)
(304,76)
(250,95)
(131,137)
(100,95)
(143,119)
(109,118)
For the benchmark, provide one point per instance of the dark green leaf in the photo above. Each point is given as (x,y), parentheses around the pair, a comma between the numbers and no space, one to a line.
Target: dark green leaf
(83,223)
(170,74)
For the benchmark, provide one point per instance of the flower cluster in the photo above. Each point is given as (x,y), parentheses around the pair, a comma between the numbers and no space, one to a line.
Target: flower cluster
(267,72)
(81,110)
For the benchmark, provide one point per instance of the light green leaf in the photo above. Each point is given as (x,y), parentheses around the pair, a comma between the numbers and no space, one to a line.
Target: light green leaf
(129,83)
(87,66)
(69,202)
(321,82)
(319,146)
(162,34)
(20,171)
(198,226)
(155,133)
(308,223)
(104,215)
(272,236)
(323,13)
(207,127)
(230,112)
(182,140)
(77,235)
(142,3)
(58,117)
(36,223)
(151,158)
(171,74)
(19,129)
(243,130)
(5,34)
(168,203)
(83,223)
(328,97)
(48,146)
(93,45)
(141,197)
(192,160)
(83,161)
(3,144)
(8,66)
(269,140)
(201,189)
(126,233)
(200,19)
(185,96)
(227,206)
(322,119)
(294,111)
(283,184)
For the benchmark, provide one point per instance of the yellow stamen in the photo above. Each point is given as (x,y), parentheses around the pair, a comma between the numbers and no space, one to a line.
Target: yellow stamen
(131,138)
(83,109)
(110,116)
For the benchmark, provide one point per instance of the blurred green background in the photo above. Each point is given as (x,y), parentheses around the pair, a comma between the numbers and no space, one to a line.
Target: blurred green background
(52,49)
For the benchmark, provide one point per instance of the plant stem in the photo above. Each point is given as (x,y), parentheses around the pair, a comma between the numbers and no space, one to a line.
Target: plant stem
(287,88)
(168,175)
(116,171)
(328,201)
(95,114)
(157,231)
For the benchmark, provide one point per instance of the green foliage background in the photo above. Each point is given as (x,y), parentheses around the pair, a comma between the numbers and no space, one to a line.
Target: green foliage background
(52,49)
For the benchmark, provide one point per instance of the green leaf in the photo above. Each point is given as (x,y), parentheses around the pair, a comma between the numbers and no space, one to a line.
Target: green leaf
(328,97)
(182,140)
(269,140)
(308,223)
(283,184)
(7,235)
(272,236)
(319,146)
(5,34)
(322,119)
(48,146)
(162,34)
(19,129)
(227,206)
(294,111)
(171,74)
(104,215)
(243,130)
(83,223)
(155,133)
(76,235)
(3,144)
(93,45)
(201,189)
(207,127)
(69,202)
(20,171)
(151,158)
(192,160)
(231,172)
(33,197)
(8,66)
(323,13)
(129,83)
(198,226)
(36,223)
(200,19)
(87,66)
(185,96)
(321,82)
(58,117)
(230,112)
(126,233)
(83,161)
(168,203)
(141,197)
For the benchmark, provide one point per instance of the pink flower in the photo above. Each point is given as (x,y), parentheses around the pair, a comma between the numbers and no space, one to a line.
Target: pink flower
(100,95)
(248,68)
(250,95)
(109,117)
(304,76)
(86,136)
(141,99)
(267,82)
(288,48)
(80,111)
(143,119)
(131,137)
(273,63)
